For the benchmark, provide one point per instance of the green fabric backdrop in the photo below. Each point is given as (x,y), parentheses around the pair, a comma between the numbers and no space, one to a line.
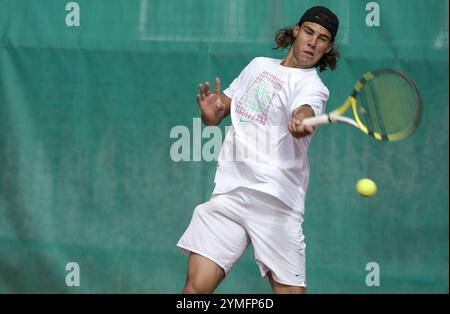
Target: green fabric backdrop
(85,169)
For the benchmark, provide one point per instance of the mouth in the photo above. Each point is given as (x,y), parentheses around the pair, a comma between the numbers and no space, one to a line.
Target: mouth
(308,53)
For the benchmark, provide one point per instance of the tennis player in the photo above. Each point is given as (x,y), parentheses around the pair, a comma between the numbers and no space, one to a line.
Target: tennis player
(259,192)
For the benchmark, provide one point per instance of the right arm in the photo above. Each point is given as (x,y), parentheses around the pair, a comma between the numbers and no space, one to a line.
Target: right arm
(214,107)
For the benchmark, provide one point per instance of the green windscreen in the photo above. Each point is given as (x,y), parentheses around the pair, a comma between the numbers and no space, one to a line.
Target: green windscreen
(103,156)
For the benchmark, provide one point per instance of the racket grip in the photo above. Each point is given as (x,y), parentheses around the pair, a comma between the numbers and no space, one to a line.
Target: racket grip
(319,120)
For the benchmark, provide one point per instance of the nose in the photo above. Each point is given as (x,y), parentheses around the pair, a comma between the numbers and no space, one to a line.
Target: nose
(312,41)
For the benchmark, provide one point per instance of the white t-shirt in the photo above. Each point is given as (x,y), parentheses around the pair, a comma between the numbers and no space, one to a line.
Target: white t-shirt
(258,151)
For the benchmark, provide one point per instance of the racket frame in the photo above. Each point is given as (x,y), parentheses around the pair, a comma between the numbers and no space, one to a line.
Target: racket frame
(336,116)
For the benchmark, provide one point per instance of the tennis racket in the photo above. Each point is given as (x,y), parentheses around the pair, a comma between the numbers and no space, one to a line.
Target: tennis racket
(385,104)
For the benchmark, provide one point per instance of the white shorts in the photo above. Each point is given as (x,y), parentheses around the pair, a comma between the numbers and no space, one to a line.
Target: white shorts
(222,228)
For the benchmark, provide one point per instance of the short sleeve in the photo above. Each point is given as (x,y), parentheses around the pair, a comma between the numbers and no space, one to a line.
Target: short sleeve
(313,93)
(237,81)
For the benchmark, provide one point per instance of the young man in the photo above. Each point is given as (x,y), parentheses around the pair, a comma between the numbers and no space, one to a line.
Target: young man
(260,199)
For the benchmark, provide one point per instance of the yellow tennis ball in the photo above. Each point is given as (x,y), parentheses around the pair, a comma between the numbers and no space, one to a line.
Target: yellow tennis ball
(366,187)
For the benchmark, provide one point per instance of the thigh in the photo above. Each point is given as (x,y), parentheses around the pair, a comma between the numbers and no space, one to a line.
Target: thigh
(215,232)
(279,288)
(276,233)
(203,275)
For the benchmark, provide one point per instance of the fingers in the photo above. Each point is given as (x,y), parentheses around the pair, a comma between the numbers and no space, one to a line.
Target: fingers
(202,91)
(309,129)
(298,126)
(290,128)
(298,130)
(207,89)
(199,100)
(217,86)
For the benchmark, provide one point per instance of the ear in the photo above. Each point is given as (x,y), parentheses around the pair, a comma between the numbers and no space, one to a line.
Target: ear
(296,30)
(329,48)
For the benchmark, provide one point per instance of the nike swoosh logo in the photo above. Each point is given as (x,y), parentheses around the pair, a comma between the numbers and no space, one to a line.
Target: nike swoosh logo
(243,120)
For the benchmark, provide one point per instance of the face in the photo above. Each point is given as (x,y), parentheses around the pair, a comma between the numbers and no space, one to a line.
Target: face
(311,43)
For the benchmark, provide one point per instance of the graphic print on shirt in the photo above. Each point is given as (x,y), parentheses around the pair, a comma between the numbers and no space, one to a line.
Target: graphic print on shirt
(255,104)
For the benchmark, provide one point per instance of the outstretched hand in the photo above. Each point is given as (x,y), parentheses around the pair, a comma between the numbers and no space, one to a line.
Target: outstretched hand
(210,104)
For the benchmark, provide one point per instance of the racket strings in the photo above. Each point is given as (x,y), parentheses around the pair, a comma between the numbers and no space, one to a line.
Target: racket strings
(389,105)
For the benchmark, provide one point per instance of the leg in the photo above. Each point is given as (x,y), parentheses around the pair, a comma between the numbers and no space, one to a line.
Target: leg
(203,275)
(215,230)
(279,288)
(276,233)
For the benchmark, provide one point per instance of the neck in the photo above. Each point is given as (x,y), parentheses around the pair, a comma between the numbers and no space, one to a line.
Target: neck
(290,61)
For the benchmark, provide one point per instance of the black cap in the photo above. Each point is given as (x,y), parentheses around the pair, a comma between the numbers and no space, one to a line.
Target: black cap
(322,16)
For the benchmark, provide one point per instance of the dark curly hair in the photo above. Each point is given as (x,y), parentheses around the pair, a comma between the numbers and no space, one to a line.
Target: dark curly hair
(284,38)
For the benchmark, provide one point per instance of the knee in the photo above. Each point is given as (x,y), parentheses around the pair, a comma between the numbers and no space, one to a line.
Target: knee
(193,287)
(285,289)
(295,290)
(189,289)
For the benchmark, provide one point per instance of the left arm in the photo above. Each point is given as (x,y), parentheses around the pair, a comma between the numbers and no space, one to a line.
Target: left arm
(295,126)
